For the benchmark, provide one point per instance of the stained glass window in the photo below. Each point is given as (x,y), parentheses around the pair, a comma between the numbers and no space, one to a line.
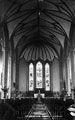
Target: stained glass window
(31,77)
(47,77)
(39,75)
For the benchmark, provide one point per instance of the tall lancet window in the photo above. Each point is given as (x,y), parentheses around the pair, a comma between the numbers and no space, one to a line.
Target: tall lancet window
(39,75)
(47,77)
(31,77)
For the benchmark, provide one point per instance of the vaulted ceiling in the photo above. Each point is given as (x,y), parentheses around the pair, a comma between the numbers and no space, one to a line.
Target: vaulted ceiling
(38,28)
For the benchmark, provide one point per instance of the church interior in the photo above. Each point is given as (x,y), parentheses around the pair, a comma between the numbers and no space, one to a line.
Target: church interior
(37,59)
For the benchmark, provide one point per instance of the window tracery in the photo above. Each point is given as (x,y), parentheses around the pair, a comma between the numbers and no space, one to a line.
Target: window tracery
(31,77)
(40,82)
(47,77)
(39,75)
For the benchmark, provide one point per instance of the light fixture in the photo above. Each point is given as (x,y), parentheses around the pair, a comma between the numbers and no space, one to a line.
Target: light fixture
(38,13)
(72,114)
(71,109)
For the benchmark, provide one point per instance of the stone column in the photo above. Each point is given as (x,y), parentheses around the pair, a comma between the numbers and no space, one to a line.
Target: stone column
(5,54)
(73,68)
(3,70)
(43,77)
(65,73)
(61,74)
(14,71)
(17,69)
(68,76)
(6,66)
(27,76)
(34,76)
(9,77)
(51,77)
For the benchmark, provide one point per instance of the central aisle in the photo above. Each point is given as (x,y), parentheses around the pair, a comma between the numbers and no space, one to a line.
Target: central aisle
(39,111)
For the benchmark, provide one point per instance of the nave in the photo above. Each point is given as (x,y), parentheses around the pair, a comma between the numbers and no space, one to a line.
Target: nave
(32,109)
(37,53)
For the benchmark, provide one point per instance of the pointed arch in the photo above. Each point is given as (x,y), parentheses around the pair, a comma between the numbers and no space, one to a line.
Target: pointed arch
(39,75)
(31,77)
(47,77)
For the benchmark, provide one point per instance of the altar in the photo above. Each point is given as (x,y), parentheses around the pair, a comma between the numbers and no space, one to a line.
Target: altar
(36,95)
(40,93)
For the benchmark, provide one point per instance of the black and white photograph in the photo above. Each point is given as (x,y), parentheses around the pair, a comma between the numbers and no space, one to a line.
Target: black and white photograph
(37,59)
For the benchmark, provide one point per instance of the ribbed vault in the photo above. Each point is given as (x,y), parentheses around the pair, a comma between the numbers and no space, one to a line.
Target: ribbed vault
(38,28)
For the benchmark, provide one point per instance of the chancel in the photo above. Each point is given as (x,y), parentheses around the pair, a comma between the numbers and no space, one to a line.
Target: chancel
(37,59)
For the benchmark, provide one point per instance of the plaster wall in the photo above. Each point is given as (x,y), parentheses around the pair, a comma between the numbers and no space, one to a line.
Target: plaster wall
(55,77)
(23,75)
